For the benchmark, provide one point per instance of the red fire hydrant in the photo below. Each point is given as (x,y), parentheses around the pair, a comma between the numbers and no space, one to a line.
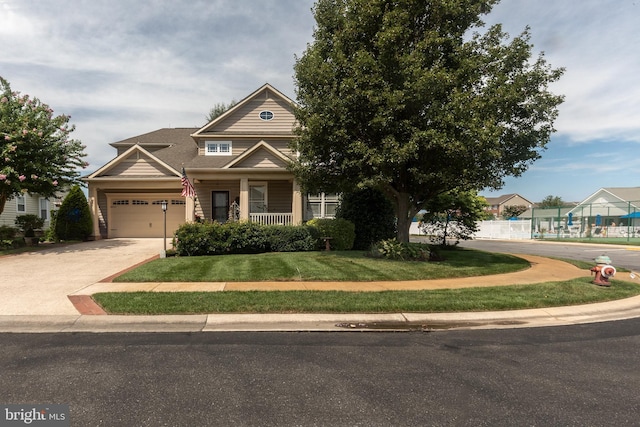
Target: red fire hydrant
(603,271)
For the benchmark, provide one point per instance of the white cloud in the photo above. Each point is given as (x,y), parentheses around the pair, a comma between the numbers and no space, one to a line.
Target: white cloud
(596,41)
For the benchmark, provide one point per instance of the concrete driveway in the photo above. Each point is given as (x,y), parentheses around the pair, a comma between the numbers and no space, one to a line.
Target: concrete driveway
(37,283)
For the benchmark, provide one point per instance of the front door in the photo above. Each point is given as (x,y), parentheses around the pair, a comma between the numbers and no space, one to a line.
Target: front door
(220,206)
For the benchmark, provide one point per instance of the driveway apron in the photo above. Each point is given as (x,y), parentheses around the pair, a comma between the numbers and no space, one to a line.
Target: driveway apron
(38,282)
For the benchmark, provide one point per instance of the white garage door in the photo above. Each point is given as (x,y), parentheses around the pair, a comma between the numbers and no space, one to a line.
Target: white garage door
(142,216)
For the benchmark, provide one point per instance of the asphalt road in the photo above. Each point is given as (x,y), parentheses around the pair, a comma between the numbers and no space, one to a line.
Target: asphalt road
(578,375)
(621,256)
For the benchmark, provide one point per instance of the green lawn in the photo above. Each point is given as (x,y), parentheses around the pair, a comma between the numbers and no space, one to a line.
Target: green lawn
(347,266)
(572,292)
(320,266)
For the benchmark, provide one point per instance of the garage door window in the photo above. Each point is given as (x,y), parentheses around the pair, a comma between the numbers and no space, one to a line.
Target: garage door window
(120,202)
(139,202)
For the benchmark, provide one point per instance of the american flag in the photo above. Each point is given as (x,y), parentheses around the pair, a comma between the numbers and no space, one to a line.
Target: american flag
(187,188)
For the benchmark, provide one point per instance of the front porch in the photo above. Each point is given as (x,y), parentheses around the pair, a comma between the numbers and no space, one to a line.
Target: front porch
(261,199)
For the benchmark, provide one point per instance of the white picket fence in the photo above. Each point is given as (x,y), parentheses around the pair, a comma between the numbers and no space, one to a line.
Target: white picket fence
(506,230)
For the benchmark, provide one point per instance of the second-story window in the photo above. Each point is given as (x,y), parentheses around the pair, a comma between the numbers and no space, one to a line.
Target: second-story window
(218,148)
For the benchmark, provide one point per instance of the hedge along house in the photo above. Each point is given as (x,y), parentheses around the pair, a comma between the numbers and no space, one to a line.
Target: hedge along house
(237,165)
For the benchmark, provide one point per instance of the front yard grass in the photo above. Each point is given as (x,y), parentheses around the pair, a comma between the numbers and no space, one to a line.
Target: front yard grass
(347,266)
(552,294)
(320,266)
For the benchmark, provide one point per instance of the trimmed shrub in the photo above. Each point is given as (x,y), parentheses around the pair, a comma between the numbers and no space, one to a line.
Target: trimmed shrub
(341,231)
(7,232)
(371,213)
(8,237)
(29,223)
(214,238)
(74,217)
(198,238)
(245,237)
(290,238)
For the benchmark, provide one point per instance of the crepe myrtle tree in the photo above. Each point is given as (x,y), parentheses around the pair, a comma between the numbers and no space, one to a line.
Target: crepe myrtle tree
(37,156)
(408,96)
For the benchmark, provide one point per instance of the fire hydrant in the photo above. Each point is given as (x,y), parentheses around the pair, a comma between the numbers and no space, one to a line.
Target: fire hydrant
(603,271)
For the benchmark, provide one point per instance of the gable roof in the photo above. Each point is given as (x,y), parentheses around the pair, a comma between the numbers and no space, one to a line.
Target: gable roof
(275,157)
(620,196)
(265,90)
(148,158)
(500,200)
(627,194)
(161,137)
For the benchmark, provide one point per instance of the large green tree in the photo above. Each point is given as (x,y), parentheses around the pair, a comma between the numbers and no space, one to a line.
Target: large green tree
(405,96)
(36,153)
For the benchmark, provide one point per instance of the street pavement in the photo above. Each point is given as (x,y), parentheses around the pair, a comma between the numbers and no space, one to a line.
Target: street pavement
(50,291)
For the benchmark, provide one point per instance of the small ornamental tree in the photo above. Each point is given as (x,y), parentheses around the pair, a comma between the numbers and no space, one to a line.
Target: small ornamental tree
(453,215)
(36,154)
(73,221)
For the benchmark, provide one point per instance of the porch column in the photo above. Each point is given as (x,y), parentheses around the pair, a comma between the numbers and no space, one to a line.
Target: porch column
(244,199)
(190,210)
(296,204)
(95,216)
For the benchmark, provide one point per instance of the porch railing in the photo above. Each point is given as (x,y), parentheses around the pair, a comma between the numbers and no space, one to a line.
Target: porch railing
(272,218)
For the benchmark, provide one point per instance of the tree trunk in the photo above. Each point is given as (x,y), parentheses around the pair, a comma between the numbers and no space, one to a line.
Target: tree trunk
(405,213)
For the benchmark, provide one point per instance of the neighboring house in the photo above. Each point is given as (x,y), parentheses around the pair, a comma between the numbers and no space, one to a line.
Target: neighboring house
(237,165)
(497,205)
(29,204)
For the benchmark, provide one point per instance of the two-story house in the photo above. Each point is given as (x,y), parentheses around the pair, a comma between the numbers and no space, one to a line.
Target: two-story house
(237,165)
(497,205)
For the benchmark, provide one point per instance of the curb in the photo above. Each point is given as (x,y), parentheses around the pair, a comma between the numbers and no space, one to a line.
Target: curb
(394,322)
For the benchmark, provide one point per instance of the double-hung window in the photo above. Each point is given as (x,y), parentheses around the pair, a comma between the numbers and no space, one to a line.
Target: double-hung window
(323,205)
(217,148)
(21,204)
(44,208)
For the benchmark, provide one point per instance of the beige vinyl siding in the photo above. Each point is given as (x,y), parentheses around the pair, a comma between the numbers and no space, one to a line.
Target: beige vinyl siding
(32,207)
(138,165)
(247,118)
(280,195)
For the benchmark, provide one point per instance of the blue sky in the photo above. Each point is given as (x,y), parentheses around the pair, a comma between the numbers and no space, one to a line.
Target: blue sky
(123,68)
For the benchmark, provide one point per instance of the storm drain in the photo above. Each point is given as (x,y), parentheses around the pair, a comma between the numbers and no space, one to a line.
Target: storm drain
(421,327)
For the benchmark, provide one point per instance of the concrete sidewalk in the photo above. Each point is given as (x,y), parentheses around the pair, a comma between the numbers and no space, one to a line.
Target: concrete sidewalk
(39,287)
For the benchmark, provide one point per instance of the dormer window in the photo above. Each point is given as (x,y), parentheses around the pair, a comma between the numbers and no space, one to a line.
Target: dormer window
(218,148)
(266,115)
